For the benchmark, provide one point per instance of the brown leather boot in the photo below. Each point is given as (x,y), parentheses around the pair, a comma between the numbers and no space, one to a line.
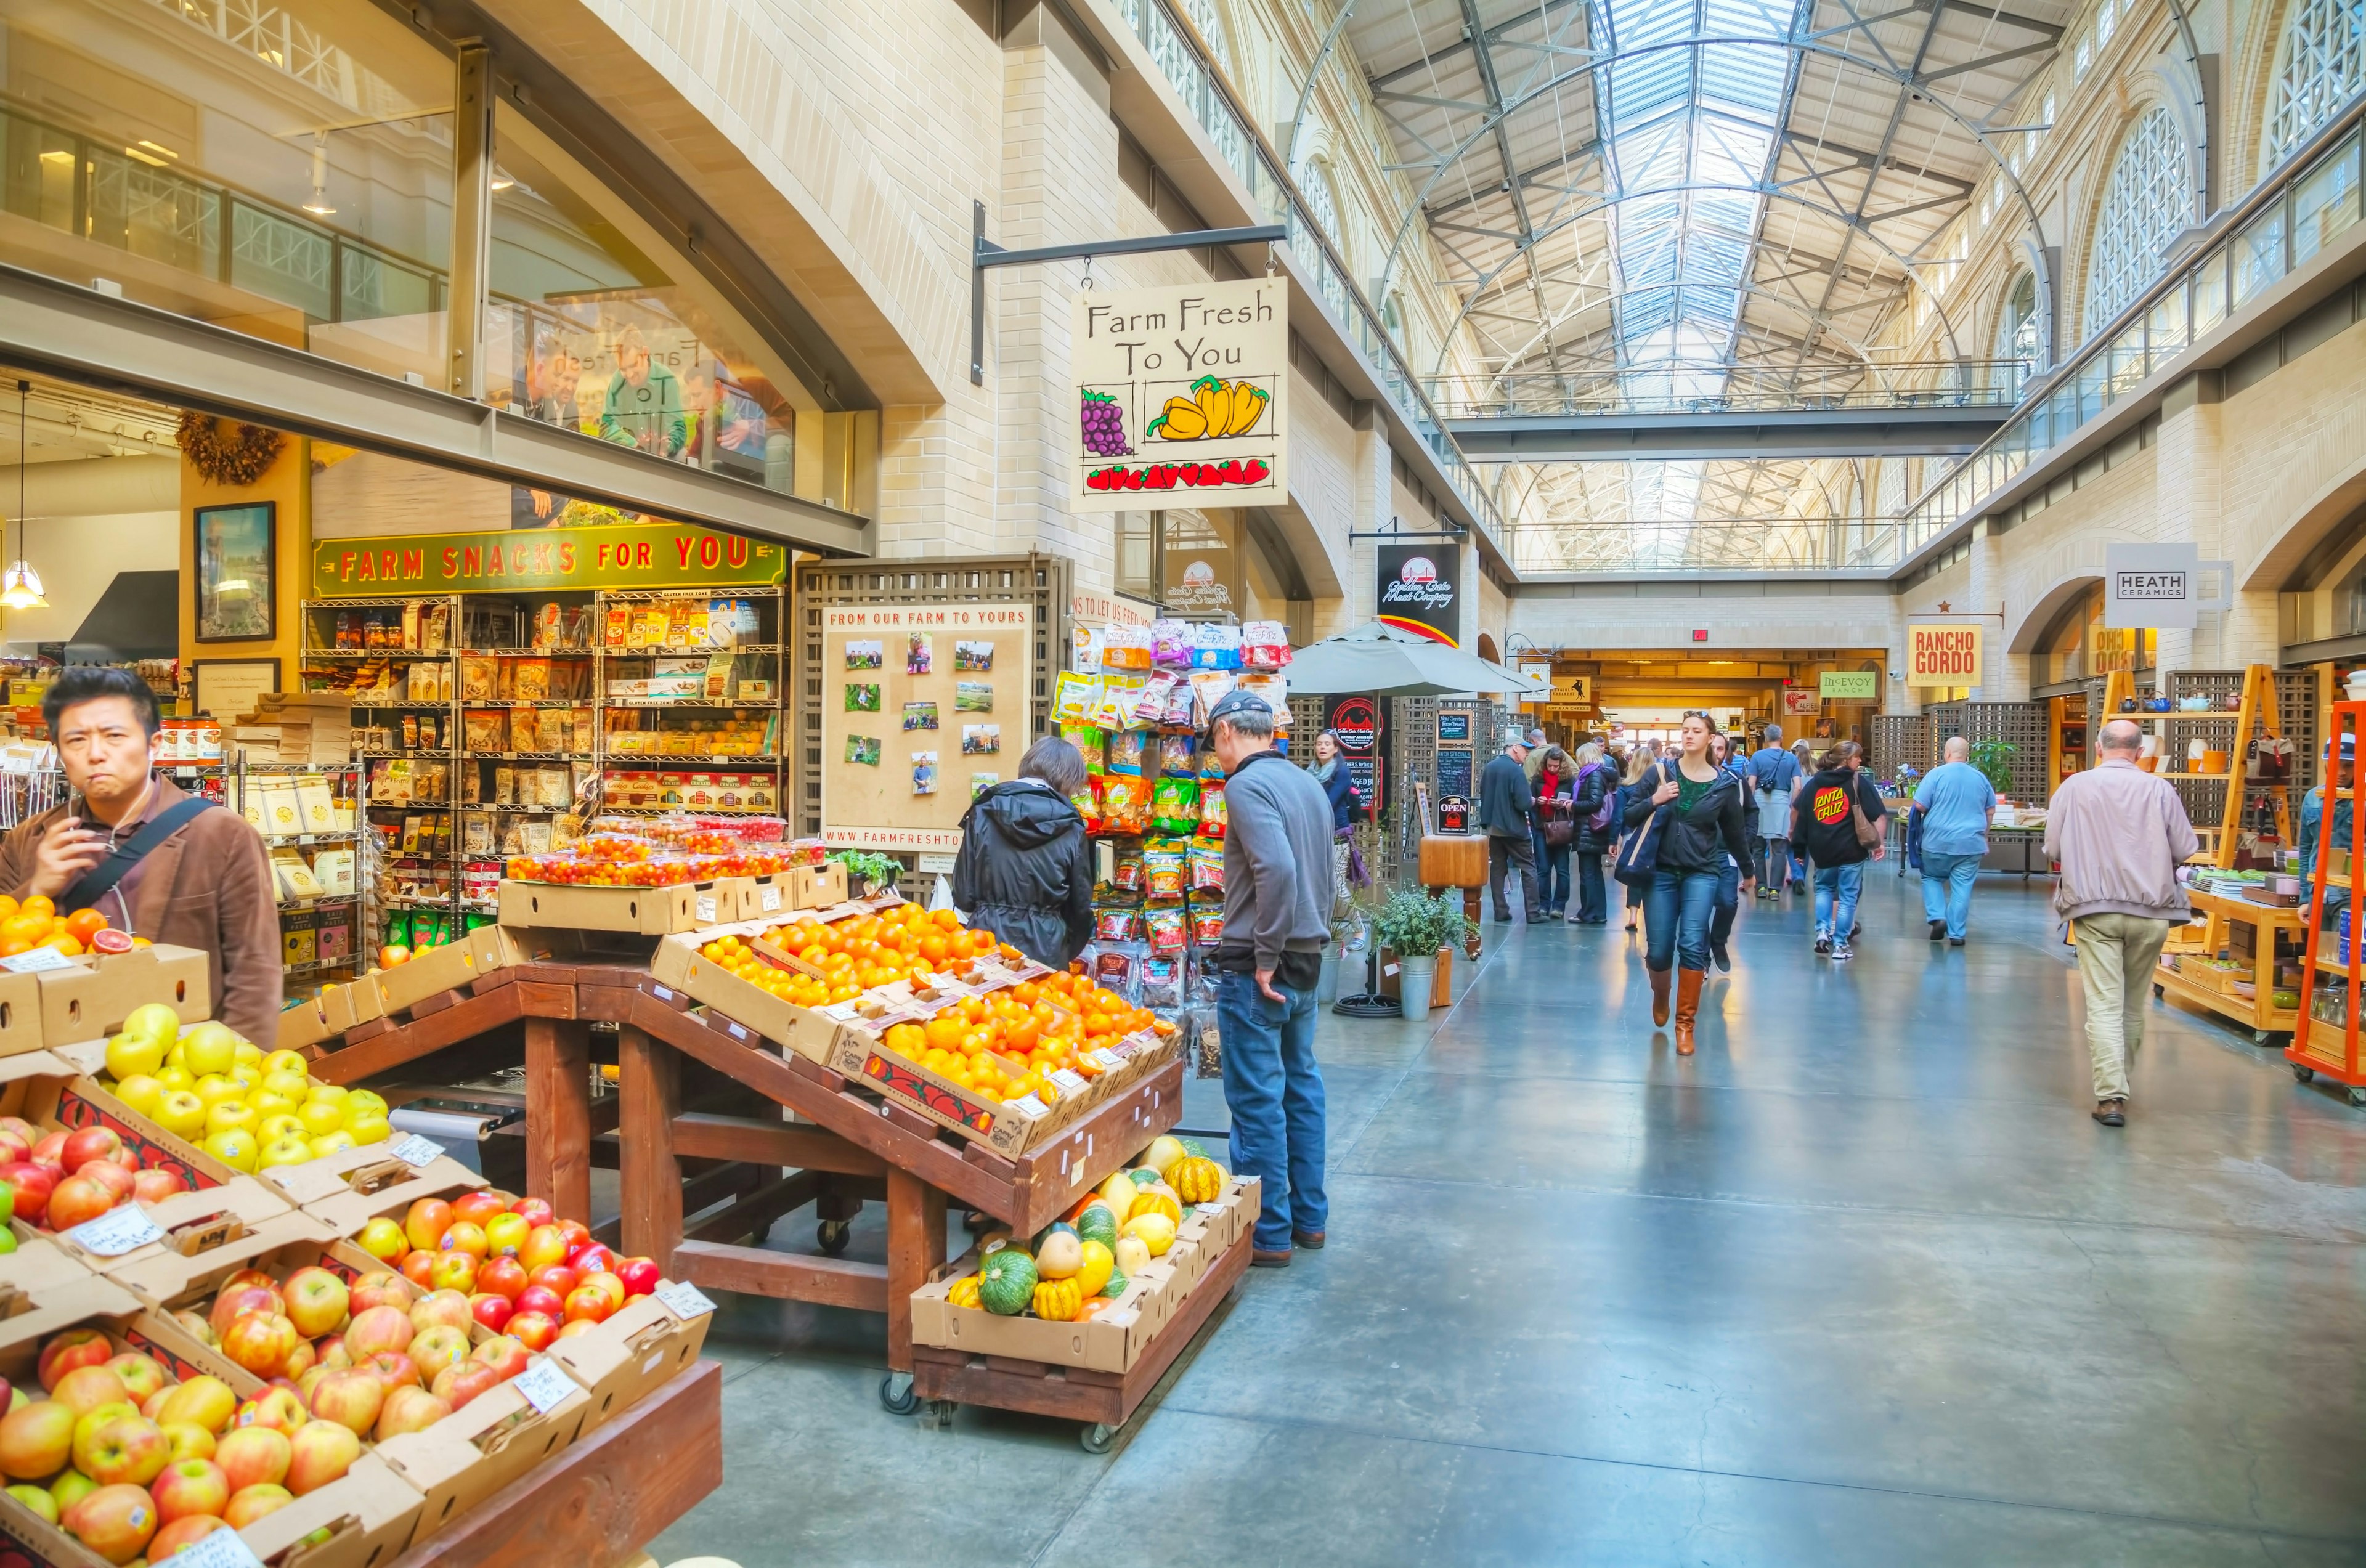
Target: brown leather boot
(1659,998)
(1688,988)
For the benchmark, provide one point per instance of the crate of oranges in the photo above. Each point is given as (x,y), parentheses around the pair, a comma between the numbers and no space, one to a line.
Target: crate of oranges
(740,971)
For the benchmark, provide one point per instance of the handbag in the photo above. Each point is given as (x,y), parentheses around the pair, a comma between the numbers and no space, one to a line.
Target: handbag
(1868,833)
(1639,851)
(1561,819)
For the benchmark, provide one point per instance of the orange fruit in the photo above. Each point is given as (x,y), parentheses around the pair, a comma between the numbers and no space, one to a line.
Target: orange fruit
(9,907)
(11,946)
(41,904)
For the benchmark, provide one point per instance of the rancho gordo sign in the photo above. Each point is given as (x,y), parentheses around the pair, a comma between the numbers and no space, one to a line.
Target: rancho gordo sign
(1942,655)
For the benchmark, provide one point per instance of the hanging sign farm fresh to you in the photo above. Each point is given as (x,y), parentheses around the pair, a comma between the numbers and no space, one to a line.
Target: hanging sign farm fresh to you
(664,555)
(1180,396)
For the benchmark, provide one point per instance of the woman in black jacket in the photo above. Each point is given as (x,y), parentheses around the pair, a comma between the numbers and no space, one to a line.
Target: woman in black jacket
(1824,816)
(1597,776)
(1703,821)
(1025,871)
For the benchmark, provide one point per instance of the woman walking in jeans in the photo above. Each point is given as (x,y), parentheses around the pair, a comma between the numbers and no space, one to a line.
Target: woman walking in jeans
(1834,816)
(1703,823)
(1639,764)
(1597,777)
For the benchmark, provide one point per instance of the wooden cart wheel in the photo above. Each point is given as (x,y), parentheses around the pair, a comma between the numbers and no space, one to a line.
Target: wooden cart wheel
(2357,1095)
(1097,1438)
(2305,1075)
(831,1235)
(896,1394)
(2157,993)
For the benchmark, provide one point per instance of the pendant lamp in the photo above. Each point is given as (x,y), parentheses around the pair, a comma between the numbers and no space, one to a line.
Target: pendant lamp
(20,588)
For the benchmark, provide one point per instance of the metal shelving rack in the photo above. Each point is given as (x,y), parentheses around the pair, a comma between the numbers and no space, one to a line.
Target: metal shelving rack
(236,775)
(772,608)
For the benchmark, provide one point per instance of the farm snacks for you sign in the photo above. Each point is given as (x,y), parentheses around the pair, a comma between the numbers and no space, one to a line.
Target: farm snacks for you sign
(663,554)
(1180,396)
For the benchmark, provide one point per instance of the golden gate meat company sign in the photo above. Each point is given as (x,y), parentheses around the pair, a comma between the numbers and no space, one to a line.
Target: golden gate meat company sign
(1181,396)
(1942,655)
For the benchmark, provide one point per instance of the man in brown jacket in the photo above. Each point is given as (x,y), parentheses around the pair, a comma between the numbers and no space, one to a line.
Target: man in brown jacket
(204,880)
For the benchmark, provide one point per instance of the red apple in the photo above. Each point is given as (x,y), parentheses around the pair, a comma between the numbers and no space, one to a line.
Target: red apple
(463,1381)
(253,1503)
(120,1183)
(639,1274)
(312,1379)
(115,1521)
(477,1208)
(506,1356)
(143,1379)
(545,1246)
(301,1358)
(350,1398)
(32,1184)
(550,1303)
(261,1342)
(449,1308)
(491,1310)
(465,1237)
(577,1234)
(425,1222)
(324,1452)
(316,1301)
(380,1287)
(21,1128)
(84,1389)
(245,1277)
(409,1410)
(577,1329)
(588,1302)
(452,1271)
(437,1347)
(393,1368)
(182,1534)
(254,1456)
(49,1149)
(592,1259)
(557,1279)
(380,1329)
(14,1148)
(535,1211)
(155,1186)
(77,1201)
(36,1440)
(533,1330)
(329,1352)
(191,1486)
(89,1143)
(419,1266)
(233,1304)
(127,1450)
(503,1277)
(278,1408)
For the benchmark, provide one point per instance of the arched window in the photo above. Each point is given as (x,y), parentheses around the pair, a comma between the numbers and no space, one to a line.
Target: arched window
(1393,317)
(1210,25)
(2016,336)
(2320,67)
(1321,199)
(2148,200)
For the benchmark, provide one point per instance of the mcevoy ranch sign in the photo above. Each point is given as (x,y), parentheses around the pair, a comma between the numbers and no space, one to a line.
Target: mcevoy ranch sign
(1181,396)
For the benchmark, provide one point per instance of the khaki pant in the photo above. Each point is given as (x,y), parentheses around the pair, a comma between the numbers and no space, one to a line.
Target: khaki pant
(2116,956)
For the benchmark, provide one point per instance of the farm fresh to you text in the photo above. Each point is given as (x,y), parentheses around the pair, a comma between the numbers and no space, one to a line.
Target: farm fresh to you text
(1131,334)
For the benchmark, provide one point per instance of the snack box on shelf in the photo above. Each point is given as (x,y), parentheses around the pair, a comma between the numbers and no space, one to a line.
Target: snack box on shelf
(641,1347)
(76,998)
(192,1225)
(54,1089)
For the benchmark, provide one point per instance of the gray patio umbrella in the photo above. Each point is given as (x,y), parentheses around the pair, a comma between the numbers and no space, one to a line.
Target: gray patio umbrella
(1382,659)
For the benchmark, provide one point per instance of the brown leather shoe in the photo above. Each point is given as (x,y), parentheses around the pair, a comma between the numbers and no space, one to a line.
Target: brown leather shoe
(1688,991)
(1659,998)
(2111,1112)
(1310,1240)
(1260,1258)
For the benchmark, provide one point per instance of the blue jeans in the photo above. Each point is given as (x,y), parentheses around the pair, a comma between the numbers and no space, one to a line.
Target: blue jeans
(1275,1093)
(1676,915)
(1592,904)
(1838,885)
(1947,888)
(1728,904)
(1552,877)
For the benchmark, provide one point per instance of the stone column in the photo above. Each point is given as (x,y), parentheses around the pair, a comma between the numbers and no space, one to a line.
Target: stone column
(2005,676)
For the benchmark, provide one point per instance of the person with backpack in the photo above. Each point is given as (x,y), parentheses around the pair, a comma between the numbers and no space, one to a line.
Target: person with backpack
(1556,828)
(1836,818)
(1774,775)
(1683,818)
(1597,809)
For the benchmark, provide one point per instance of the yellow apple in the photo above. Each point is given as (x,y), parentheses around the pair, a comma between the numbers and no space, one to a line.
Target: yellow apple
(134,1056)
(368,1129)
(289,1150)
(286,1062)
(211,1048)
(176,1076)
(234,1146)
(320,1118)
(142,1093)
(214,1088)
(281,1125)
(330,1143)
(230,1115)
(181,1113)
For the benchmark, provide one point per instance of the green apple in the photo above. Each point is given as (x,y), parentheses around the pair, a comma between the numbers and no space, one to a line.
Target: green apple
(211,1048)
(131,1056)
(154,1021)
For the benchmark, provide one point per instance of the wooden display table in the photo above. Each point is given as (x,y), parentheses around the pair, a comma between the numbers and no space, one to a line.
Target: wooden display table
(603,1499)
(2257,1012)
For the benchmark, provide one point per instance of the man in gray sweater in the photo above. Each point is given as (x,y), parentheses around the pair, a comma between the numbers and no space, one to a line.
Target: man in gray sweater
(1277,919)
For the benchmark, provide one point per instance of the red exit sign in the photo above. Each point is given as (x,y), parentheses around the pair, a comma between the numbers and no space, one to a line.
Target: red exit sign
(1701,635)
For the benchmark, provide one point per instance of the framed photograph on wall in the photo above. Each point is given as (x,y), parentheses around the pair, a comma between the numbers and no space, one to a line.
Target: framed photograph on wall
(229,687)
(238,563)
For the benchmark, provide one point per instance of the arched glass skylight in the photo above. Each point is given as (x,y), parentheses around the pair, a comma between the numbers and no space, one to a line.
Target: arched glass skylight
(2320,66)
(2148,202)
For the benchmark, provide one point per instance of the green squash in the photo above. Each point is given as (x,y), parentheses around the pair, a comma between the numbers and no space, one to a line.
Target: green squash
(1005,1282)
(1193,1147)
(1099,1224)
(1116,1286)
(1144,1177)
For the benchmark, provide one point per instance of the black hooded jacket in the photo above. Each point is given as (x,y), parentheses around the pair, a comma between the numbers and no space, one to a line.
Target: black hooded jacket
(1025,871)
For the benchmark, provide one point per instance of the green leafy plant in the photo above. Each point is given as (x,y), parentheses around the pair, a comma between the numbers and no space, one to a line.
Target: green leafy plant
(1415,924)
(1994,760)
(861,867)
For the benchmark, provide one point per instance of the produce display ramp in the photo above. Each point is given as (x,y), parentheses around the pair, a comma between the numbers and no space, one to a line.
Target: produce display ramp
(601,1501)
(1103,1401)
(851,1148)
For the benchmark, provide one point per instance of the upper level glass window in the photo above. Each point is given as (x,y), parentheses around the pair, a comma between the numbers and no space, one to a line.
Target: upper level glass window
(2148,200)
(2320,67)
(283,170)
(2016,336)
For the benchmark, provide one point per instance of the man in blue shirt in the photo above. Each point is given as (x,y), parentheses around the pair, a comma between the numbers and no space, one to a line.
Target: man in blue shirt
(1956,804)
(1775,776)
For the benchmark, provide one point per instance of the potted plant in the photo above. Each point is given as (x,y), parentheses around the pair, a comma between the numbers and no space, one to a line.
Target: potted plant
(1412,925)
(866,872)
(1993,759)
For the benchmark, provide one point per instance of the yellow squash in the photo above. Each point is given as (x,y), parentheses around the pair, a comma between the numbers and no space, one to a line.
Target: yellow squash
(1058,1301)
(964,1292)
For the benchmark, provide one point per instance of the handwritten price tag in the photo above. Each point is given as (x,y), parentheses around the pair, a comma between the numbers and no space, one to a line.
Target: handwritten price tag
(222,1549)
(1027,1105)
(418,1152)
(686,1299)
(40,961)
(1069,1079)
(544,1385)
(117,1232)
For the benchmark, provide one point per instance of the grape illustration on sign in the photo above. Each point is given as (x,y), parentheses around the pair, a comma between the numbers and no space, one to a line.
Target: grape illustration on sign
(1181,391)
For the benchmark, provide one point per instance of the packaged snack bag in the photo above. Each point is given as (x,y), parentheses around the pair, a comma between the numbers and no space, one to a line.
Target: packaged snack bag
(1125,804)
(1273,688)
(1207,876)
(1126,873)
(1117,925)
(1175,805)
(1151,706)
(1087,802)
(1265,645)
(1074,698)
(1162,973)
(1207,925)
(1179,756)
(1171,645)
(1122,753)
(1163,861)
(1125,649)
(1208,689)
(1215,645)
(1085,650)
(1211,810)
(1181,711)
(1118,968)
(1120,693)
(1166,930)
(1091,742)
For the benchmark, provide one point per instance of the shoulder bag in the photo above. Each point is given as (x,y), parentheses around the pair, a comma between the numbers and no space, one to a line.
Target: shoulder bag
(100,880)
(1639,851)
(1869,832)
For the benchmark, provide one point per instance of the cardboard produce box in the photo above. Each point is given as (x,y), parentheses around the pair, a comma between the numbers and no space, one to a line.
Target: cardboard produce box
(194,1224)
(643,1346)
(652,911)
(20,1014)
(168,1280)
(46,1088)
(428,972)
(303,1022)
(95,1301)
(37,1263)
(90,999)
(370,1517)
(478,1449)
(1110,1341)
(1011,1127)
(816,886)
(348,1190)
(808,1032)
(498,947)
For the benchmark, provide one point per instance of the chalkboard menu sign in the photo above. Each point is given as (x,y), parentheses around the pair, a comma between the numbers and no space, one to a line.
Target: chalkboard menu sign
(1453,774)
(1454,730)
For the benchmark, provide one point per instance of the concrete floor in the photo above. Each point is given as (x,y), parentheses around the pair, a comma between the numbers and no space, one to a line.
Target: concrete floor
(1861,1282)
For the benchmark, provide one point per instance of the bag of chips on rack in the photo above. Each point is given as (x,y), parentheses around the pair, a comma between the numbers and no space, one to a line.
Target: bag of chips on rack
(1211,808)
(1206,873)
(1125,805)
(1114,924)
(1182,709)
(1085,650)
(1091,742)
(1265,645)
(1087,802)
(1207,925)
(1125,649)
(1120,691)
(1074,698)
(1121,752)
(1171,645)
(1215,645)
(1175,806)
(1167,928)
(1126,874)
(1179,756)
(1208,687)
(1162,975)
(1274,688)
(1118,968)
(1151,706)
(1163,864)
